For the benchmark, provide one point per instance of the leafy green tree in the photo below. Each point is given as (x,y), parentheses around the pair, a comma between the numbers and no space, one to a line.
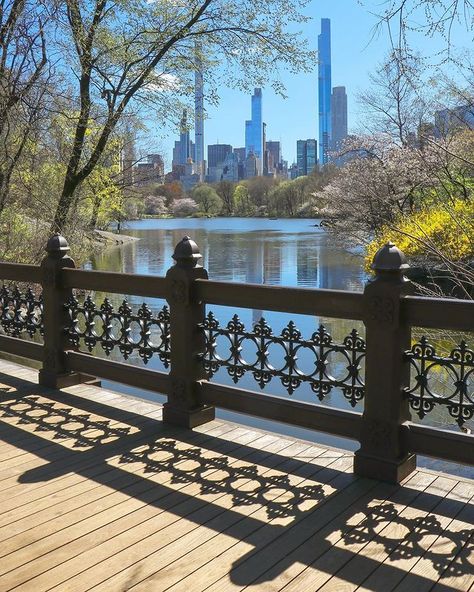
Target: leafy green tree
(243,204)
(207,199)
(124,54)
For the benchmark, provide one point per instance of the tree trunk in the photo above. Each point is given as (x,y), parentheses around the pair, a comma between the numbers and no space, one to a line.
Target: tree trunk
(64,204)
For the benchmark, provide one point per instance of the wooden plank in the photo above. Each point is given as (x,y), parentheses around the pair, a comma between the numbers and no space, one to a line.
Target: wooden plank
(297,546)
(169,544)
(113,282)
(459,573)
(83,519)
(68,498)
(439,544)
(395,522)
(20,272)
(439,443)
(438,313)
(21,347)
(151,380)
(100,540)
(199,567)
(316,417)
(325,303)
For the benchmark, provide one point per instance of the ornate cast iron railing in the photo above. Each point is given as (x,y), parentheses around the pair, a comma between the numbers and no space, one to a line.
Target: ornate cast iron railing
(292,345)
(21,313)
(129,331)
(459,364)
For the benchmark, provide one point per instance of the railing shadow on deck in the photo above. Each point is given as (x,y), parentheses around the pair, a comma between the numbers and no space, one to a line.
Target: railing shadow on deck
(296,511)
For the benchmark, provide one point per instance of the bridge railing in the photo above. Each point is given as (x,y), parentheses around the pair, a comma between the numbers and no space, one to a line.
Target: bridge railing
(384,371)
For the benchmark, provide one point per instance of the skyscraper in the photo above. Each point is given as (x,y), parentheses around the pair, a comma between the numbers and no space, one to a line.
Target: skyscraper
(324,89)
(184,142)
(254,131)
(306,158)
(338,116)
(216,156)
(199,113)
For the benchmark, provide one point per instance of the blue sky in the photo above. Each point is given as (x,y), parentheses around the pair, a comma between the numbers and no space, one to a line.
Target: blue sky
(355,54)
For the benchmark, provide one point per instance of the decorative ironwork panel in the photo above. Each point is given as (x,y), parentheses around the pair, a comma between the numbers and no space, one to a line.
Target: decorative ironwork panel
(458,366)
(21,313)
(291,345)
(124,329)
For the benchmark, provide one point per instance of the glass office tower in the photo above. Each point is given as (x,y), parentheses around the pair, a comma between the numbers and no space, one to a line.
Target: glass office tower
(324,89)
(254,130)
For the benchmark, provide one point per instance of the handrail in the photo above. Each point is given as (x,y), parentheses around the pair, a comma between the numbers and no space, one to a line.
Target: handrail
(117,283)
(438,313)
(20,272)
(326,303)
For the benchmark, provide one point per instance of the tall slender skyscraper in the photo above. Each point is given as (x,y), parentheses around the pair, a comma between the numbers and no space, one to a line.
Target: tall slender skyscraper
(184,142)
(199,113)
(338,116)
(324,89)
(254,130)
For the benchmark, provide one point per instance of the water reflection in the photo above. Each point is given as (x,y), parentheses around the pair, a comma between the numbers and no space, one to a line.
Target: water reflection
(260,251)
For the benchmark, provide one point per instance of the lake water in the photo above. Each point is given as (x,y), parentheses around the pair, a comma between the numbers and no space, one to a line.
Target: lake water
(261,251)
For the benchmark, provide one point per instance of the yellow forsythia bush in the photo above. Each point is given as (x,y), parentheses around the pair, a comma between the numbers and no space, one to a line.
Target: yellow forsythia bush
(448,229)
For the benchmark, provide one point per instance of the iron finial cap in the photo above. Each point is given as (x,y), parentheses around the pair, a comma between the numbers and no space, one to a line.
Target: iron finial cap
(187,252)
(389,258)
(57,245)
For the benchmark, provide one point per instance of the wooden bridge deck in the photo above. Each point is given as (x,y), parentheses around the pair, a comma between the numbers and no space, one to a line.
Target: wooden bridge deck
(96,494)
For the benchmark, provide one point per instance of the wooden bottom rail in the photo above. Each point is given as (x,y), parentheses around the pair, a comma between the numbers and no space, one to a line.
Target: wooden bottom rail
(150,380)
(438,443)
(305,415)
(21,347)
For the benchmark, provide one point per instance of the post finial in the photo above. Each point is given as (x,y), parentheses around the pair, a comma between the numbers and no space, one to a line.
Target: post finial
(186,253)
(389,258)
(57,246)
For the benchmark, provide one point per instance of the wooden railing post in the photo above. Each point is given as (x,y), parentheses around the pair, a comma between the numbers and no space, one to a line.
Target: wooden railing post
(54,373)
(382,454)
(187,341)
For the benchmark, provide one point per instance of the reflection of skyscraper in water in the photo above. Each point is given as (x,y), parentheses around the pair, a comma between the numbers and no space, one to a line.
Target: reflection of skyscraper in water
(271,263)
(324,263)
(254,271)
(307,265)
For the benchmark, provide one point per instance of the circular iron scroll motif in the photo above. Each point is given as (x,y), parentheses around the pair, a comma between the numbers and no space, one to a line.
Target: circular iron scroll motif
(292,344)
(91,325)
(425,362)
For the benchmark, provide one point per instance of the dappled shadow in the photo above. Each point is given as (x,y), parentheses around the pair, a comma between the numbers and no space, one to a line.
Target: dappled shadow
(61,423)
(215,475)
(288,509)
(413,539)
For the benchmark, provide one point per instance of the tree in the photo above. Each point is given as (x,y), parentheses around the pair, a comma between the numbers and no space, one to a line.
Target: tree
(259,189)
(207,199)
(184,207)
(23,81)
(130,53)
(243,205)
(155,205)
(225,190)
(287,197)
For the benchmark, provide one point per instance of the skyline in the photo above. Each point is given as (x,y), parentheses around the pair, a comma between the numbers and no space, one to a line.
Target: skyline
(355,54)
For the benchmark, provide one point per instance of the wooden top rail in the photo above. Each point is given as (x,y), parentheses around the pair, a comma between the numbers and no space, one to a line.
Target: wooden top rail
(438,313)
(117,283)
(20,272)
(328,303)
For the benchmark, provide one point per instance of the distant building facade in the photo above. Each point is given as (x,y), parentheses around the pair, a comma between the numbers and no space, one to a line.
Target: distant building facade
(449,120)
(306,156)
(338,117)
(216,156)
